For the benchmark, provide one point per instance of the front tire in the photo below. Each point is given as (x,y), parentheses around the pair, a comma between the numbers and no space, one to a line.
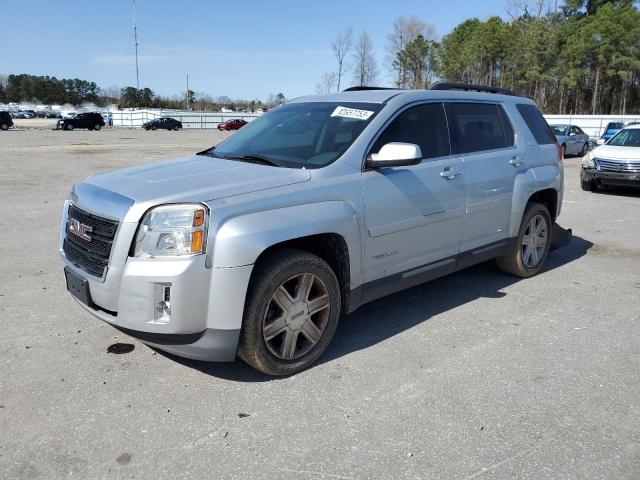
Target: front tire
(588,185)
(154,128)
(69,127)
(292,311)
(531,247)
(4,126)
(176,128)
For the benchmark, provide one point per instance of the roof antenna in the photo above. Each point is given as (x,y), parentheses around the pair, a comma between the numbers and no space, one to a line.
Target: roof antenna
(135,40)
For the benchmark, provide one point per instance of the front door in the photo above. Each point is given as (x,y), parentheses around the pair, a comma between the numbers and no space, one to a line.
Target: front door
(414,215)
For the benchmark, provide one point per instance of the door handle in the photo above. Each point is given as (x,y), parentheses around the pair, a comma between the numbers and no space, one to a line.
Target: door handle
(516,161)
(450,173)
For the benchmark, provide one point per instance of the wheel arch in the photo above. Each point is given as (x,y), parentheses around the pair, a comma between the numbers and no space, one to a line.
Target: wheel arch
(547,197)
(330,230)
(330,247)
(542,185)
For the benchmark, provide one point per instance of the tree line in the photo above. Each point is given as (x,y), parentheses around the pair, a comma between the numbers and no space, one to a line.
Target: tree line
(53,91)
(583,57)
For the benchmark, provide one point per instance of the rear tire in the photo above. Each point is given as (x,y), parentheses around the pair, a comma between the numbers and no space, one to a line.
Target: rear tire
(97,126)
(585,149)
(154,128)
(281,333)
(531,247)
(176,128)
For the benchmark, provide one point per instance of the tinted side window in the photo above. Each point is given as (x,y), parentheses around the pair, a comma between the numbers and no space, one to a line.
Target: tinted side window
(536,123)
(423,125)
(509,136)
(475,127)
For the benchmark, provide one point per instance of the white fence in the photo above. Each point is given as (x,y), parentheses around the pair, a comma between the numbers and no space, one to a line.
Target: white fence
(135,118)
(593,125)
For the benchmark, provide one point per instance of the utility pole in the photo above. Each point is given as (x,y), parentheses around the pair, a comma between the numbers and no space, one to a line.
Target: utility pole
(135,40)
(188,91)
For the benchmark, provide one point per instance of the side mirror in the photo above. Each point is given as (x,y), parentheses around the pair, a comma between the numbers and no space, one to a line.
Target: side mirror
(572,134)
(395,154)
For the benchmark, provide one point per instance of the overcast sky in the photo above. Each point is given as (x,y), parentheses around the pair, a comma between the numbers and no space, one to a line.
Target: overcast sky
(243,49)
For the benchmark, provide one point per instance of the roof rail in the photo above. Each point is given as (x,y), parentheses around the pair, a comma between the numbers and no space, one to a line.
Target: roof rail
(359,89)
(471,87)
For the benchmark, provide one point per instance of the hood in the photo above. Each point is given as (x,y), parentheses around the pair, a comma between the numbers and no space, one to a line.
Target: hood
(616,153)
(196,178)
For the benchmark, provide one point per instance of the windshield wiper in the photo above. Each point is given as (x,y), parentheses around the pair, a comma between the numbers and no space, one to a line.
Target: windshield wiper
(253,158)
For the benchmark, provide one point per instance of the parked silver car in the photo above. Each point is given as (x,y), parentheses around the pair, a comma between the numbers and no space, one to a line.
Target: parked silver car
(616,163)
(573,140)
(257,246)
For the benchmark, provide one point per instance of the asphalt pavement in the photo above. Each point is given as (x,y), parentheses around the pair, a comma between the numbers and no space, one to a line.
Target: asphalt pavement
(476,375)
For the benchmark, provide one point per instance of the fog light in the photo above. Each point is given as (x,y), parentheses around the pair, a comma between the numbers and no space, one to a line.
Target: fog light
(162,310)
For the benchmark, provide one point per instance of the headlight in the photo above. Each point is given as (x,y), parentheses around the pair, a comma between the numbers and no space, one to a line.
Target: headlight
(587,161)
(173,231)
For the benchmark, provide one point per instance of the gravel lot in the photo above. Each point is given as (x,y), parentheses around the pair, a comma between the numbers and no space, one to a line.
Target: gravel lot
(474,375)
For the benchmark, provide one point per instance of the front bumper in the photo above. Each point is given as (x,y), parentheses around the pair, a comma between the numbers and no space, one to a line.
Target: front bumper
(200,317)
(210,345)
(207,303)
(610,178)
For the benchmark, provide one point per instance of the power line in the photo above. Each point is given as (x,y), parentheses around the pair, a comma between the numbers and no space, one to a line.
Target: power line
(135,39)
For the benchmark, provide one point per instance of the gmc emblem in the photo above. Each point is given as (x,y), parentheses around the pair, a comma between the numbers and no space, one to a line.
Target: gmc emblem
(79,229)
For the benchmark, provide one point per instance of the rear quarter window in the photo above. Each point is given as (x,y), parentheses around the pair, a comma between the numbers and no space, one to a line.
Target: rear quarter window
(536,123)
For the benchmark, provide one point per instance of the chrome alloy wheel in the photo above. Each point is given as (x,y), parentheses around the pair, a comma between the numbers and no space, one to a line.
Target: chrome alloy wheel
(534,241)
(296,316)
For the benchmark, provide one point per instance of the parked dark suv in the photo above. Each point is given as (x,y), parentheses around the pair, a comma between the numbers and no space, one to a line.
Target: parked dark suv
(164,122)
(5,120)
(90,121)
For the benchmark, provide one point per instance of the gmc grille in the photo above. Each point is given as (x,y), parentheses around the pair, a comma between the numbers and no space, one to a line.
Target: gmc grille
(90,255)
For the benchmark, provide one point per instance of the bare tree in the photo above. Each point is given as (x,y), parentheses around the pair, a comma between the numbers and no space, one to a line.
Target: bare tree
(112,91)
(533,8)
(327,83)
(341,48)
(405,30)
(365,69)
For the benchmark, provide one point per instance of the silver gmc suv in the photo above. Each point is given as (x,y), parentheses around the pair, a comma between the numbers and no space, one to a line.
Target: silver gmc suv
(257,246)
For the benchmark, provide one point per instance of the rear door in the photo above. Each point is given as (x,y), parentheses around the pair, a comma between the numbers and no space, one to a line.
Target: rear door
(414,214)
(482,134)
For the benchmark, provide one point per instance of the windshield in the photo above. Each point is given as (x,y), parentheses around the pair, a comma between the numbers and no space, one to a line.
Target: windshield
(296,135)
(558,130)
(626,138)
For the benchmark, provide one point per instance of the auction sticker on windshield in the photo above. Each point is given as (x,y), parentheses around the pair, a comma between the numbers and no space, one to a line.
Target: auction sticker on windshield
(351,113)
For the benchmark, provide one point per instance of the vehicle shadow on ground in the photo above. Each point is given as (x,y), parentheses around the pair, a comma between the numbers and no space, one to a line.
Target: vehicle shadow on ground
(389,316)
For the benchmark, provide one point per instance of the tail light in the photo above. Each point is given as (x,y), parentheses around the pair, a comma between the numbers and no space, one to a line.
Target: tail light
(560,151)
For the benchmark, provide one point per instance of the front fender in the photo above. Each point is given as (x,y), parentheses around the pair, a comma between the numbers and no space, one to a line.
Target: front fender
(240,240)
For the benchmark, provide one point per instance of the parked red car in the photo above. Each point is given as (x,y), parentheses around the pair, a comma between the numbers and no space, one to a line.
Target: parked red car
(234,124)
